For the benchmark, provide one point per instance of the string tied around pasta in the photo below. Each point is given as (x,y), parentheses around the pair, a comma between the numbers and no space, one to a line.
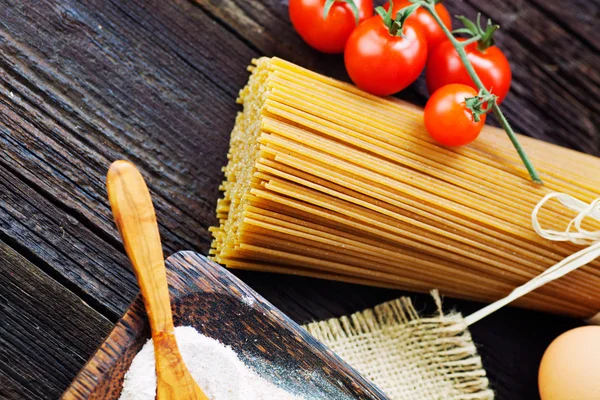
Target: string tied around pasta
(574,232)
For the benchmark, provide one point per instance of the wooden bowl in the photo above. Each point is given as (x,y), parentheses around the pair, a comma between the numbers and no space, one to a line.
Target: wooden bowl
(216,303)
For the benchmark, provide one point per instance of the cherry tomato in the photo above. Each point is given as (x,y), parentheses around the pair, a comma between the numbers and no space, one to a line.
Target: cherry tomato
(330,34)
(382,64)
(444,66)
(434,34)
(447,118)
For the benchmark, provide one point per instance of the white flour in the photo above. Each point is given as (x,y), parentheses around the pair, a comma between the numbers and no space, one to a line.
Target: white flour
(215,367)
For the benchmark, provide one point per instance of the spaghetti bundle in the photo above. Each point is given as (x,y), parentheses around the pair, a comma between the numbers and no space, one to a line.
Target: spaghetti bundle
(327,181)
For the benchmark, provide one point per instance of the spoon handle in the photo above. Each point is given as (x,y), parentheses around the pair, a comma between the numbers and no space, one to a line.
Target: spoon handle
(134,214)
(135,218)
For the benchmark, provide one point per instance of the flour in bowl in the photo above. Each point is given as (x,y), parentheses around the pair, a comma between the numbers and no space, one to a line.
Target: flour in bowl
(215,367)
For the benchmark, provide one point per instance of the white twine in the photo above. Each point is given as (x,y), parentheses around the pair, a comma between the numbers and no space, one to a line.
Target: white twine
(573,233)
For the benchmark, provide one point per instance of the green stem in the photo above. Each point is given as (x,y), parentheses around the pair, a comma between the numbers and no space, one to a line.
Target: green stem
(469,41)
(429,5)
(513,138)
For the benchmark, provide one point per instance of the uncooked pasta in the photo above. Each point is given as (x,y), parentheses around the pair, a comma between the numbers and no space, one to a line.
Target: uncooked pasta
(327,181)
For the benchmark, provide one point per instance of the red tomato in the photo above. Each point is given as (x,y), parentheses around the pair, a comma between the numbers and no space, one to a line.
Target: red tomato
(444,67)
(330,34)
(447,118)
(382,64)
(434,34)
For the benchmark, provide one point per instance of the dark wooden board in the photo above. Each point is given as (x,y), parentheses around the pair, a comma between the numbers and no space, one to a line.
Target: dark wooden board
(217,304)
(64,247)
(46,332)
(85,83)
(577,17)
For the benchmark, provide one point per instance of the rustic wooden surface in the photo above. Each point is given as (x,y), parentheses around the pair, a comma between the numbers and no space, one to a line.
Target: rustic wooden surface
(203,292)
(85,83)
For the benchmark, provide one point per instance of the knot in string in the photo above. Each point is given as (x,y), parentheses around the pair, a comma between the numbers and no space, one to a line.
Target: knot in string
(574,232)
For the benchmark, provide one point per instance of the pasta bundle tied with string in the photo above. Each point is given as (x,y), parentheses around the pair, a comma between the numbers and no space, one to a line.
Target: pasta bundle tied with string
(325,180)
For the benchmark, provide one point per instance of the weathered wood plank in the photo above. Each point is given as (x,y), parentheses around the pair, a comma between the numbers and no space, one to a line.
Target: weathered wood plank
(46,332)
(58,242)
(578,17)
(265,26)
(556,87)
(84,84)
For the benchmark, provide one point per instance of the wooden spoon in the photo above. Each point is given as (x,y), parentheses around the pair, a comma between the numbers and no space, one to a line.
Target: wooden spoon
(134,214)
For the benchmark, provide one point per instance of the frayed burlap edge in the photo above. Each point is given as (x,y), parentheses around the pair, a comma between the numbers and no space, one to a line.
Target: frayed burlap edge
(406,356)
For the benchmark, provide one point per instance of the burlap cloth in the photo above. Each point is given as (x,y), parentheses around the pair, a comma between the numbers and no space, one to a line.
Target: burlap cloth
(407,356)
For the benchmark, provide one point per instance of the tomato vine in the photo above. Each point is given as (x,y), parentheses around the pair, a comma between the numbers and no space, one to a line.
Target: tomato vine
(483,38)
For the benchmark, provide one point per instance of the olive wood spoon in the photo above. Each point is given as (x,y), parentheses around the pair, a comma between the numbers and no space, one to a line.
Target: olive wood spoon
(134,214)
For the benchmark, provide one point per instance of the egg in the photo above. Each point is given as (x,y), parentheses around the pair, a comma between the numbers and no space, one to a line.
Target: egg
(570,368)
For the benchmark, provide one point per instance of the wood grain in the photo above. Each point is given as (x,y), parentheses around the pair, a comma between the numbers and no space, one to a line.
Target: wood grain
(65,247)
(85,83)
(46,332)
(579,18)
(268,341)
(132,208)
(102,376)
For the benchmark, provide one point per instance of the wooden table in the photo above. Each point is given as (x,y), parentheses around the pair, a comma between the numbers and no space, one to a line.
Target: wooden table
(155,82)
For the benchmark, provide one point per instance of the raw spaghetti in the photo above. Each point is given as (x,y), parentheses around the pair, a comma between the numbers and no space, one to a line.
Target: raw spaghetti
(325,180)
